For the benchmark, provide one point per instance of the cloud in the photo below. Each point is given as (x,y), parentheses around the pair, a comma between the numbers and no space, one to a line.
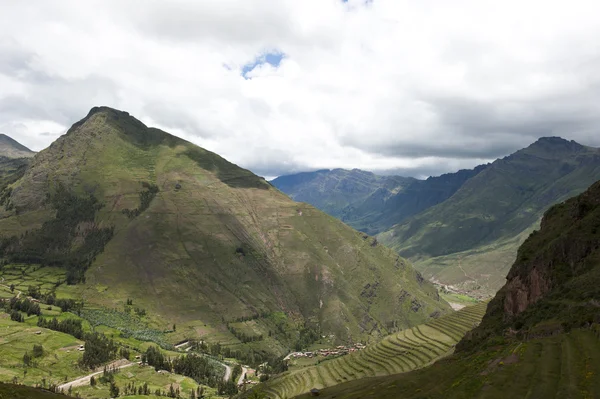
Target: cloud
(416,88)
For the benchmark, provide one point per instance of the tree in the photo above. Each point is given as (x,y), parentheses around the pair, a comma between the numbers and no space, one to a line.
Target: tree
(12,288)
(38,351)
(92,381)
(114,390)
(27,359)
(257,394)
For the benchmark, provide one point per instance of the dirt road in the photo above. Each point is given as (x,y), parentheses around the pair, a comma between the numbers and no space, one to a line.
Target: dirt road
(86,380)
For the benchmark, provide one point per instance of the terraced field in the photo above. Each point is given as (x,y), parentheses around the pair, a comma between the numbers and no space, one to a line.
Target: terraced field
(555,367)
(405,351)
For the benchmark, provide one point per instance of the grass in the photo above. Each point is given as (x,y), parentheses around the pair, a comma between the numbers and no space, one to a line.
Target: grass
(562,366)
(402,352)
(179,259)
(59,362)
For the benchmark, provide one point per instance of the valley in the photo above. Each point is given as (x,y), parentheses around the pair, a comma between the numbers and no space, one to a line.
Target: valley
(177,274)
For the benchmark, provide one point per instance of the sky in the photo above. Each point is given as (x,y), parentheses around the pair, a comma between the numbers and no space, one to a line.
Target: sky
(416,88)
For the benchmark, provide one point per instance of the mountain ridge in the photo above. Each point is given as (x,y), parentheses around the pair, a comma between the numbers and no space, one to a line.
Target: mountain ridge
(10,148)
(191,228)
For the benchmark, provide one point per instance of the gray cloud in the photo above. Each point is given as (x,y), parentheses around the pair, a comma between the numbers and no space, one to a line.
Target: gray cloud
(386,86)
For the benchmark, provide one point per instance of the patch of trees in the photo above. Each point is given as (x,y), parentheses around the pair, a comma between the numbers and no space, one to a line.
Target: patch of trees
(146,197)
(68,326)
(98,350)
(51,245)
(154,357)
(23,305)
(242,336)
(199,368)
(308,335)
(29,359)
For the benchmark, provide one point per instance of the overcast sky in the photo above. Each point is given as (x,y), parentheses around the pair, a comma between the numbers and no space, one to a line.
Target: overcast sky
(278,86)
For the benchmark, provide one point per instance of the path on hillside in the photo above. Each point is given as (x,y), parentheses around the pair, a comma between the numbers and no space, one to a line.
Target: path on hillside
(6,286)
(228,369)
(86,379)
(241,379)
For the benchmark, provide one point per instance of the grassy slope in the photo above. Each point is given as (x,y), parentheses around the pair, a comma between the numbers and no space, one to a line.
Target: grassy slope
(12,149)
(11,391)
(540,337)
(563,366)
(399,353)
(178,259)
(488,217)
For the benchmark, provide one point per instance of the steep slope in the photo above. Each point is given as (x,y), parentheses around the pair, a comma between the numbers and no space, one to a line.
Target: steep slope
(540,336)
(405,351)
(467,238)
(10,148)
(137,213)
(368,202)
(12,391)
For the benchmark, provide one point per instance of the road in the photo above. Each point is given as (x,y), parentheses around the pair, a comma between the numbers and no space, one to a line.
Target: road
(86,380)
(241,379)
(228,371)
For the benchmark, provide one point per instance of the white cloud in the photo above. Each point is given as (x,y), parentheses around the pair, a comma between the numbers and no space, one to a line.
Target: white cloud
(428,86)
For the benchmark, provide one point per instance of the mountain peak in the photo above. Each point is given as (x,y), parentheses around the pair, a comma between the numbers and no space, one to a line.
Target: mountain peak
(11,148)
(556,143)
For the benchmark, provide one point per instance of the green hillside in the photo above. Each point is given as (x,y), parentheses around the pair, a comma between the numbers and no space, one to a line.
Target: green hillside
(11,391)
(133,212)
(540,336)
(10,148)
(369,202)
(470,239)
(405,351)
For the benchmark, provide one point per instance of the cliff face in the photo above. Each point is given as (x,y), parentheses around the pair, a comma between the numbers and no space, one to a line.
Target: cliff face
(521,293)
(556,277)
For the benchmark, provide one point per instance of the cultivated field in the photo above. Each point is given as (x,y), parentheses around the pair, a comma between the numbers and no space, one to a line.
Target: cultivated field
(405,351)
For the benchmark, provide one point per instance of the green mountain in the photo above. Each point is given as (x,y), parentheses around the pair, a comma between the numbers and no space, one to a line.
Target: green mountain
(369,202)
(540,336)
(133,212)
(471,239)
(9,148)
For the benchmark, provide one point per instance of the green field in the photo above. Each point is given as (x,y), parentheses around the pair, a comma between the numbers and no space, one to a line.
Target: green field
(563,366)
(405,351)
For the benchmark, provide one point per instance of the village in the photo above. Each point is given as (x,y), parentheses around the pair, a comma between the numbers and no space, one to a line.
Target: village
(327,352)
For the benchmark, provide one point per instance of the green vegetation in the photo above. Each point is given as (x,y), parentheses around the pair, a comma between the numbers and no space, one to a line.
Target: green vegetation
(132,213)
(12,391)
(11,149)
(398,353)
(476,232)
(369,202)
(563,366)
(540,336)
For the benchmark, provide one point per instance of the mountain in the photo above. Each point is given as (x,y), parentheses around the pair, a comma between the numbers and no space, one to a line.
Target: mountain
(335,191)
(10,148)
(540,336)
(369,202)
(132,212)
(470,240)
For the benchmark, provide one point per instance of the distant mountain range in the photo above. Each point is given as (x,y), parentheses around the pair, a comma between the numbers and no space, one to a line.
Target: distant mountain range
(463,228)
